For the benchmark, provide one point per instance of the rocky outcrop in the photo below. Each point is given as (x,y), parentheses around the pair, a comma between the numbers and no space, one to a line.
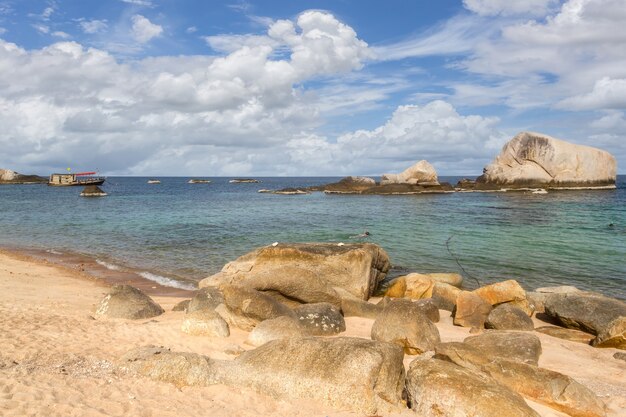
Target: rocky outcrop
(542,385)
(126,302)
(247,307)
(508,317)
(471,310)
(348,185)
(592,313)
(566,334)
(93,191)
(440,388)
(404,323)
(355,374)
(11,177)
(321,319)
(205,323)
(420,173)
(306,272)
(516,346)
(275,329)
(532,160)
(206,299)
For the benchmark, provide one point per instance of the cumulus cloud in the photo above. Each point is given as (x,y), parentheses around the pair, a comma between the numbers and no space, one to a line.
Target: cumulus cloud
(60,34)
(607,93)
(144,30)
(509,7)
(223,113)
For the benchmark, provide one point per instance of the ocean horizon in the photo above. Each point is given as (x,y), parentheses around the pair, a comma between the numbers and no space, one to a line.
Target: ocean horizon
(176,233)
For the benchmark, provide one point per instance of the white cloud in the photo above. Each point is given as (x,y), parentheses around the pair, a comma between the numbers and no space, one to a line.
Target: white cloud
(43,29)
(231,43)
(144,30)
(146,3)
(93,26)
(48,11)
(214,115)
(60,34)
(191,29)
(2,31)
(607,93)
(509,7)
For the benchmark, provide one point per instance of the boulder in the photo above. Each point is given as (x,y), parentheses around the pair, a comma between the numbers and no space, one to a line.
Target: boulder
(352,306)
(205,323)
(251,305)
(348,185)
(357,268)
(126,302)
(542,385)
(403,323)
(537,300)
(321,319)
(397,288)
(161,364)
(471,310)
(274,329)
(7,175)
(620,356)
(502,292)
(414,286)
(206,299)
(540,161)
(11,177)
(591,313)
(440,388)
(444,296)
(450,278)
(508,317)
(181,305)
(566,334)
(561,289)
(429,308)
(613,335)
(516,346)
(294,285)
(92,191)
(421,172)
(359,375)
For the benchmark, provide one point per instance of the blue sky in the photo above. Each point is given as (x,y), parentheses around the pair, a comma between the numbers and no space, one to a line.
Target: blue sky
(164,87)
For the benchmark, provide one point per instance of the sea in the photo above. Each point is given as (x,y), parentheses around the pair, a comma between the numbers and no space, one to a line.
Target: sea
(176,233)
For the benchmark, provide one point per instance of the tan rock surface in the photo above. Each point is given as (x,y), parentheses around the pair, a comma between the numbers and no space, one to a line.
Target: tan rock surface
(421,172)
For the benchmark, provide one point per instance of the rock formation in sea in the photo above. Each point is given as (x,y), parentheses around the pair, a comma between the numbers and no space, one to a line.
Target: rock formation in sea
(93,191)
(420,173)
(8,176)
(535,160)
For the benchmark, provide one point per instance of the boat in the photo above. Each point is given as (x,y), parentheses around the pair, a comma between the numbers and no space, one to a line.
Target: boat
(194,181)
(154,182)
(79,178)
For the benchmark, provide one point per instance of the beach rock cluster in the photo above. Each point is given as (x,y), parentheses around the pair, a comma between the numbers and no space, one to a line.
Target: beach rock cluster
(292,299)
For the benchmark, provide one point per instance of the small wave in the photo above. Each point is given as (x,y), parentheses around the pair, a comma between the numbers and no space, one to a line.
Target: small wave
(107,265)
(168,282)
(54,252)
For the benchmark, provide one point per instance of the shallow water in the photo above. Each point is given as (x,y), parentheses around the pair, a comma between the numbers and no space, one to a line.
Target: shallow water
(175,229)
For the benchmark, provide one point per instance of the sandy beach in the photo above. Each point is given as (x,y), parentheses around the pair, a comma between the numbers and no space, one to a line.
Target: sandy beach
(57,360)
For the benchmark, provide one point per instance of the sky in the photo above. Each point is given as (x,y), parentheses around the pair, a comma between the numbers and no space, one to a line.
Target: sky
(306,88)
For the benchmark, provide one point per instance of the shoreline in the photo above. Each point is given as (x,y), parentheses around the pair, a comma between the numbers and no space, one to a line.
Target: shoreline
(102,272)
(55,355)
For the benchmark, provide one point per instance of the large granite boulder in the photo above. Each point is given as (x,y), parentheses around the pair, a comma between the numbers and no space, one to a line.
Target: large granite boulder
(250,307)
(592,313)
(421,172)
(206,299)
(471,310)
(542,385)
(205,323)
(404,323)
(439,388)
(508,317)
(537,160)
(516,346)
(566,334)
(357,268)
(127,302)
(445,295)
(355,374)
(352,306)
(321,319)
(161,364)
(613,335)
(274,329)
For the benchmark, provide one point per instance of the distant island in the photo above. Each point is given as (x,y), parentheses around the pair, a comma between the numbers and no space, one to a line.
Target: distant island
(243,180)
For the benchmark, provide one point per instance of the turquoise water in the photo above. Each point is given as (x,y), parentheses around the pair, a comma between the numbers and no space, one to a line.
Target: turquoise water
(181,230)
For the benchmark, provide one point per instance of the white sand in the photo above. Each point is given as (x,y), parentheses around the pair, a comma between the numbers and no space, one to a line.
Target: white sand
(56,360)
